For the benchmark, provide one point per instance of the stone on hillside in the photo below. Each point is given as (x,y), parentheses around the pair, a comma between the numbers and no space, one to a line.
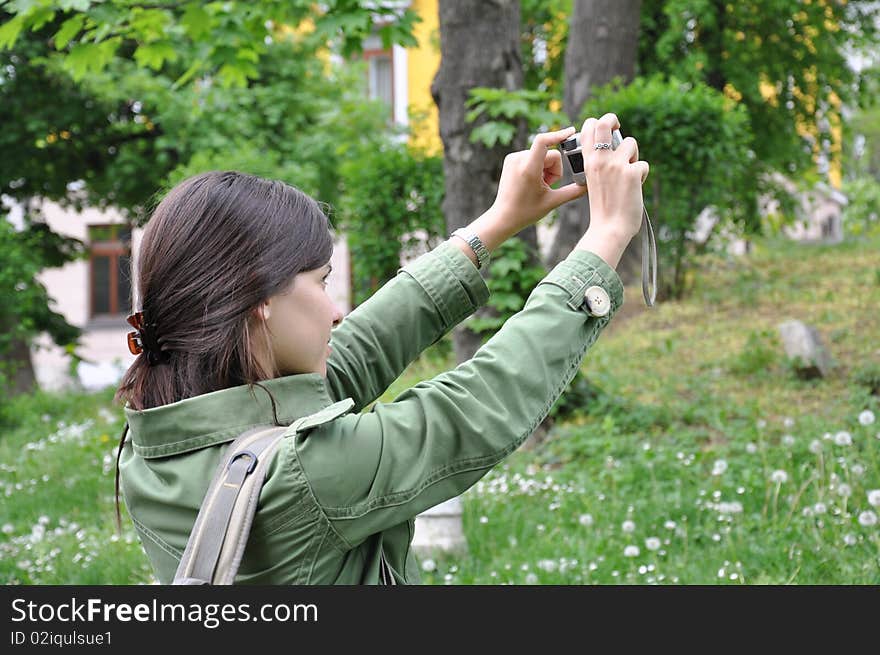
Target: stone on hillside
(802,344)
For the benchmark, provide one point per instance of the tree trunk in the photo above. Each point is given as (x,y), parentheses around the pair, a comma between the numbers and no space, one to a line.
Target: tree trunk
(602,44)
(16,368)
(479,46)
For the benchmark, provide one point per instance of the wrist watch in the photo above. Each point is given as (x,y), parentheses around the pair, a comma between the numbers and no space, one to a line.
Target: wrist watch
(476,245)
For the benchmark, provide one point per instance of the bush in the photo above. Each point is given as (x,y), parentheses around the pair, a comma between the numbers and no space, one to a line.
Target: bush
(388,191)
(697,141)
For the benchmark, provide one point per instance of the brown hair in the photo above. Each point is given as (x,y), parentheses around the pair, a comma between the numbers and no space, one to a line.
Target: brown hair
(216,246)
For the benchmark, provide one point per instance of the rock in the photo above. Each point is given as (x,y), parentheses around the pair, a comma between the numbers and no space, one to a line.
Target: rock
(802,344)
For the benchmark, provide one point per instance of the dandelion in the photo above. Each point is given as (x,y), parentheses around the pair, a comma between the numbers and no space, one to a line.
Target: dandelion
(843,438)
(820,508)
(858,469)
(815,446)
(669,525)
(8,528)
(719,467)
(429,565)
(484,519)
(548,565)
(751,448)
(531,578)
(779,476)
(866,417)
(844,490)
(628,526)
(867,519)
(585,520)
(631,551)
(873,499)
(788,422)
(787,440)
(761,423)
(849,539)
(652,543)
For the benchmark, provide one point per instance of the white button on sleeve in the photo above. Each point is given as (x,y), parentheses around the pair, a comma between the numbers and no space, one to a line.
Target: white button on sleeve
(597,301)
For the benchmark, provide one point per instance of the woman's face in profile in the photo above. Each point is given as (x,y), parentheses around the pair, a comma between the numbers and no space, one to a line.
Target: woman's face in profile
(299,321)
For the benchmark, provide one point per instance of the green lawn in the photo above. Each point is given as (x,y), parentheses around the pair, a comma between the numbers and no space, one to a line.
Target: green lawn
(703,460)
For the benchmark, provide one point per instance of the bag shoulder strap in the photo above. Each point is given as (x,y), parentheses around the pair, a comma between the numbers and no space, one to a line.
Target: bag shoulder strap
(216,544)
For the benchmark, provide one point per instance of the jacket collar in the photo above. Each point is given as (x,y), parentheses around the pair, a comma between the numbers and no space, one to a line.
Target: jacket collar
(220,416)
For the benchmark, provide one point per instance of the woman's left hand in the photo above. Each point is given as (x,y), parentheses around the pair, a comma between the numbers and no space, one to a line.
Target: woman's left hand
(524,192)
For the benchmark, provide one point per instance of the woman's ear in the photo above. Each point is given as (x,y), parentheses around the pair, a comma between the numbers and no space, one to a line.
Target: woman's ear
(262,311)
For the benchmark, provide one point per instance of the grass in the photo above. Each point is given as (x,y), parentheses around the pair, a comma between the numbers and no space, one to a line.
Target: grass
(703,460)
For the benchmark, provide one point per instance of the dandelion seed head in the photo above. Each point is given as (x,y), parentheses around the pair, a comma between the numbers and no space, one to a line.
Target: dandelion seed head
(873,498)
(751,448)
(844,490)
(815,446)
(867,519)
(719,467)
(843,438)
(849,539)
(652,543)
(866,417)
(669,525)
(585,520)
(628,526)
(779,476)
(787,440)
(429,565)
(631,551)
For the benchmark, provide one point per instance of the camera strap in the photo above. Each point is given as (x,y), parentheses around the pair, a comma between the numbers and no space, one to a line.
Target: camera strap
(649,256)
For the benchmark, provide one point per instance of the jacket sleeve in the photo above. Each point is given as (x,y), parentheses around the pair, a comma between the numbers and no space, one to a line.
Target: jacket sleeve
(375,343)
(374,470)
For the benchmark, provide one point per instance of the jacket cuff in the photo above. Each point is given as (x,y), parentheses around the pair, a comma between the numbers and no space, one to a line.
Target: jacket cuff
(452,281)
(581,270)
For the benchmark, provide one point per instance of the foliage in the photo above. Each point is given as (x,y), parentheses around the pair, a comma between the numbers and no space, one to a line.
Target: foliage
(25,309)
(783,60)
(126,133)
(511,281)
(544,34)
(390,202)
(224,40)
(698,143)
(861,215)
(505,109)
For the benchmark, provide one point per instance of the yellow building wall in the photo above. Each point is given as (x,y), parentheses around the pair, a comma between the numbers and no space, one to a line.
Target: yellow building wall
(422,64)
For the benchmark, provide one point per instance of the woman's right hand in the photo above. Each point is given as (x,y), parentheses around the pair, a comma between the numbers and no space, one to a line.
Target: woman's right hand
(614,178)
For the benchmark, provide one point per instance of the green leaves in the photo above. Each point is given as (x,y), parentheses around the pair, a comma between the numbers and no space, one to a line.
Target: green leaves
(154,55)
(69,29)
(166,34)
(512,107)
(90,57)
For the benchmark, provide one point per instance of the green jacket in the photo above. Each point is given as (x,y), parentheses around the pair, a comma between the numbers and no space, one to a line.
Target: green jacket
(349,484)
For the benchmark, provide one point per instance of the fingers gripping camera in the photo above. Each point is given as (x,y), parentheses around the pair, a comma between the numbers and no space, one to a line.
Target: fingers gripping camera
(573,152)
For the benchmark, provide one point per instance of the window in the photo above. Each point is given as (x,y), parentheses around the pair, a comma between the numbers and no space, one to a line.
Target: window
(110,269)
(381,83)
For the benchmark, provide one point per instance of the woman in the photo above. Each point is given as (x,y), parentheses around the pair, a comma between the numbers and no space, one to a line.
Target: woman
(235,333)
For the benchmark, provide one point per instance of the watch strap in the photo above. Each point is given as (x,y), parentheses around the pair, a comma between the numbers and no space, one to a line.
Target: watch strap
(476,245)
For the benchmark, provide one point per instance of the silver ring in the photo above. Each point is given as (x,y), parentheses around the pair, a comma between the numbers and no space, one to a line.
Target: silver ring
(602,146)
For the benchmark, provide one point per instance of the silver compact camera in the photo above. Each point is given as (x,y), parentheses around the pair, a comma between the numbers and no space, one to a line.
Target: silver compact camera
(573,152)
